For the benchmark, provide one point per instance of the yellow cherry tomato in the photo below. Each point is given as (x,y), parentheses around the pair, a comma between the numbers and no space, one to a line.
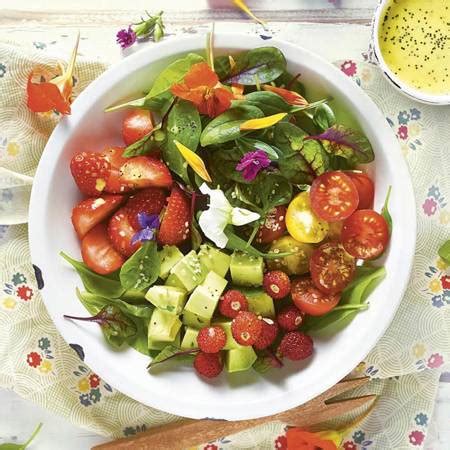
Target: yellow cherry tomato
(301,222)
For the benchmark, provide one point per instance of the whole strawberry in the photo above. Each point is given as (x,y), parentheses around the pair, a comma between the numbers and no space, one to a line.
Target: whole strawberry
(277,284)
(208,365)
(246,328)
(290,318)
(232,302)
(268,334)
(295,346)
(211,339)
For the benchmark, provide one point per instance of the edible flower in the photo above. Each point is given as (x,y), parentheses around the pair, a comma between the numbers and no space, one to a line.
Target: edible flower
(220,213)
(202,87)
(252,163)
(197,164)
(292,97)
(126,38)
(149,224)
(243,7)
(263,122)
(150,27)
(298,439)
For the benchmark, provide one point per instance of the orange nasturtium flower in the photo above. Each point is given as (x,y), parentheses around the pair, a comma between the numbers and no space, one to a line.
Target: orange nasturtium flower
(292,97)
(303,440)
(202,87)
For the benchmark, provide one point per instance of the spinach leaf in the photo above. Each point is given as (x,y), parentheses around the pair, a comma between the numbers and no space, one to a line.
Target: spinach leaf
(159,104)
(324,117)
(268,102)
(170,352)
(226,126)
(222,166)
(385,210)
(261,65)
(251,145)
(354,295)
(288,138)
(173,73)
(183,125)
(95,283)
(444,251)
(11,446)
(222,66)
(147,144)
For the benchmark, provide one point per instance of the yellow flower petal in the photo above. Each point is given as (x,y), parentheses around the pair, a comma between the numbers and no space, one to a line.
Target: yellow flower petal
(243,7)
(197,164)
(264,122)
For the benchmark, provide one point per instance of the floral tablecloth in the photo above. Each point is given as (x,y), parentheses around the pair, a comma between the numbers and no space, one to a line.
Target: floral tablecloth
(40,366)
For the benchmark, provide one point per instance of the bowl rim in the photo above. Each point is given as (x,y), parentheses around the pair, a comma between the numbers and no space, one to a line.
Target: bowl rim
(233,41)
(423,97)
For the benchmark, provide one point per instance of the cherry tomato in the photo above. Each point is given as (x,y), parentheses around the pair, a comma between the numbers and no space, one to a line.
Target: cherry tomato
(334,231)
(301,222)
(365,234)
(311,300)
(334,197)
(365,187)
(274,226)
(137,123)
(331,267)
(297,263)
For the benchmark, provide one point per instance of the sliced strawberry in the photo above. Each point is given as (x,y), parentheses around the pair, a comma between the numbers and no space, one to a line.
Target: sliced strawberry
(92,211)
(114,183)
(98,253)
(175,224)
(90,172)
(143,171)
(148,201)
(136,124)
(121,232)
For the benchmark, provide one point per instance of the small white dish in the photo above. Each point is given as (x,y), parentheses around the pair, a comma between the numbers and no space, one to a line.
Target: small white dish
(179,390)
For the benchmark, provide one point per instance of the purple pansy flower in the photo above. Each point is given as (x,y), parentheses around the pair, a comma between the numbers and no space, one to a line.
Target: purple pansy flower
(252,163)
(149,224)
(126,38)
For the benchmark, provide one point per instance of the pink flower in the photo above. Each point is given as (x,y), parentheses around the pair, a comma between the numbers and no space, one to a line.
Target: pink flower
(349,445)
(429,206)
(435,360)
(445,281)
(402,132)
(126,38)
(34,359)
(281,442)
(349,68)
(252,163)
(416,437)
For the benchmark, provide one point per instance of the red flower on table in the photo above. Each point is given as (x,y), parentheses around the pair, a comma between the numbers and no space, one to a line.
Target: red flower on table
(34,359)
(25,293)
(202,87)
(445,281)
(210,447)
(349,68)
(349,445)
(94,380)
(402,132)
(416,437)
(281,442)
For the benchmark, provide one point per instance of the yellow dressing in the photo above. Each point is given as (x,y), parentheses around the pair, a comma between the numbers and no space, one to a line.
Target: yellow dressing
(414,37)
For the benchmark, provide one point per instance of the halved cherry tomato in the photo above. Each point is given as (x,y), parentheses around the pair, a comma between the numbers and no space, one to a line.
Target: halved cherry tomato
(98,252)
(334,197)
(311,300)
(274,226)
(365,187)
(331,267)
(137,123)
(365,234)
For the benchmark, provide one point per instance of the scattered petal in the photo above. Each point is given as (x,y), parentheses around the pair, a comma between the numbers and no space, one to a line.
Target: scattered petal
(263,122)
(197,164)
(292,97)
(243,7)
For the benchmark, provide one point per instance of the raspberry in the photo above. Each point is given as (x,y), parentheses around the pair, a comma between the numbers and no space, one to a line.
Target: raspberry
(290,318)
(232,302)
(277,284)
(208,364)
(268,334)
(246,328)
(211,339)
(296,346)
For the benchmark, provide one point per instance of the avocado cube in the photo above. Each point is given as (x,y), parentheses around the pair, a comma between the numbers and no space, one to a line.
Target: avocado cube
(189,271)
(194,321)
(226,326)
(168,298)
(169,256)
(215,284)
(159,345)
(163,326)
(190,338)
(246,270)
(173,280)
(240,359)
(259,302)
(214,259)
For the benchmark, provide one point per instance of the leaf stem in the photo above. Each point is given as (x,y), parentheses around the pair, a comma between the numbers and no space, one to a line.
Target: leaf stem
(33,435)
(350,307)
(182,353)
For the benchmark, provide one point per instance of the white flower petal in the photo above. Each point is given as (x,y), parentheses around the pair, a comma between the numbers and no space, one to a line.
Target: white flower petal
(213,222)
(242,216)
(217,198)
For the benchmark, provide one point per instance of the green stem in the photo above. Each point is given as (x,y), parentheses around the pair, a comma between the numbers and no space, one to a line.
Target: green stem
(33,435)
(350,307)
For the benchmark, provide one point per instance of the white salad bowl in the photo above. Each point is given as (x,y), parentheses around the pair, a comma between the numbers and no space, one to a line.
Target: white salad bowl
(178,389)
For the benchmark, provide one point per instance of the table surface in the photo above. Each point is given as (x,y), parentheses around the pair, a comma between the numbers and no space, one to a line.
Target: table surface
(18,417)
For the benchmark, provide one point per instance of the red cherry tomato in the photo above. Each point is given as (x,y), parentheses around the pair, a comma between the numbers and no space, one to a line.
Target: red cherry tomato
(274,226)
(331,267)
(365,188)
(334,197)
(365,234)
(137,123)
(311,300)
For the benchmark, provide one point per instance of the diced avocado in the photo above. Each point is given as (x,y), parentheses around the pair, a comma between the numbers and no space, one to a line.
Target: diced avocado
(190,271)
(168,298)
(215,284)
(173,280)
(194,321)
(240,359)
(214,259)
(169,256)
(259,302)
(226,326)
(163,326)
(159,345)
(246,270)
(190,338)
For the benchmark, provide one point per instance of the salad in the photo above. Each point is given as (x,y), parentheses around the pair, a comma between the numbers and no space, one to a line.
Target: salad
(234,225)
